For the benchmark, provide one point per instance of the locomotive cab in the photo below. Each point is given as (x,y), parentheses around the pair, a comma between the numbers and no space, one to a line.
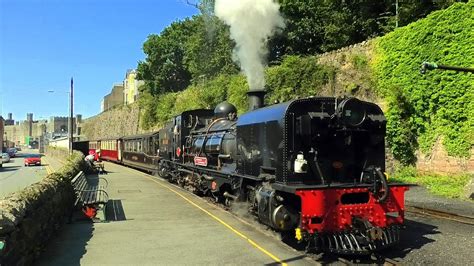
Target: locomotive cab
(336,143)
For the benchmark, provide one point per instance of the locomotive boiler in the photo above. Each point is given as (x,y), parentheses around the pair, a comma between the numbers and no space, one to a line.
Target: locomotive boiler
(310,168)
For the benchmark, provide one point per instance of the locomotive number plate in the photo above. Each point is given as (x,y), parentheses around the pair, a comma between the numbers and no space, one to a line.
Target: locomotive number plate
(202,161)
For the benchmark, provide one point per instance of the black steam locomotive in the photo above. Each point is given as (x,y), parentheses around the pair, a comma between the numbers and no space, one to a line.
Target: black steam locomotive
(310,168)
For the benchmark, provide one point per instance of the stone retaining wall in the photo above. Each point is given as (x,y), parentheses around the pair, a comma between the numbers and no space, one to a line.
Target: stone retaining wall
(440,162)
(30,217)
(117,122)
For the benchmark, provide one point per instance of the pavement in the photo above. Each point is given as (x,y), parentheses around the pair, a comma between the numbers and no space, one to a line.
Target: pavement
(419,197)
(14,176)
(152,222)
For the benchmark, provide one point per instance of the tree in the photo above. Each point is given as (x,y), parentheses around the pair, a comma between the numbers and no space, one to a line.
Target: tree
(163,69)
(209,49)
(186,50)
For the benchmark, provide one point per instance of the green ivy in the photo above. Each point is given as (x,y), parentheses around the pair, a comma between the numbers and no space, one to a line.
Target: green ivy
(439,104)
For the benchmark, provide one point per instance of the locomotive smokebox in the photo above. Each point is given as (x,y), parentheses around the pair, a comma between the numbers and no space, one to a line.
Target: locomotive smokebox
(256,99)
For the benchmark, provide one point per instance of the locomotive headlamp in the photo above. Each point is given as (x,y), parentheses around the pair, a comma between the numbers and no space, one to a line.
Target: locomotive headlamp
(351,112)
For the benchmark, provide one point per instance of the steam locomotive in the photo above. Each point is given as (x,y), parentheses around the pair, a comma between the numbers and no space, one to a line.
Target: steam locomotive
(311,168)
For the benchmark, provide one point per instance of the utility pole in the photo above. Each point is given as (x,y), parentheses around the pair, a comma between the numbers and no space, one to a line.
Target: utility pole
(396,13)
(71,124)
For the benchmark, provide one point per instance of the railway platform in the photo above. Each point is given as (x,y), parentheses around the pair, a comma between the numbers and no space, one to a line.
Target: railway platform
(152,222)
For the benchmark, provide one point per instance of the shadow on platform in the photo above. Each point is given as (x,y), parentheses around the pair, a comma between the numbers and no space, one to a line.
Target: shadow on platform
(69,246)
(114,211)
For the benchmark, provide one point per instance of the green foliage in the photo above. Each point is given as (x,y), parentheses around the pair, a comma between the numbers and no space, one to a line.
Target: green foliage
(208,51)
(186,51)
(320,25)
(164,69)
(199,47)
(359,61)
(451,186)
(148,107)
(296,77)
(439,103)
(165,107)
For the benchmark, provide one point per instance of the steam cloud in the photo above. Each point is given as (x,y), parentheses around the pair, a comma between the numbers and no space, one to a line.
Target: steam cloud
(251,23)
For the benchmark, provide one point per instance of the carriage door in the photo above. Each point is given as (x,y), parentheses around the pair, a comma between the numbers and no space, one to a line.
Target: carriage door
(119,150)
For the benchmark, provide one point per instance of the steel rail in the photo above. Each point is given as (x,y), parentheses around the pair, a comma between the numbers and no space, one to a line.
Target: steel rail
(441,215)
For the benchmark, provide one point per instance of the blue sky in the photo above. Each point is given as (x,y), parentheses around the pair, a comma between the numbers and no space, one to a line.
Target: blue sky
(45,43)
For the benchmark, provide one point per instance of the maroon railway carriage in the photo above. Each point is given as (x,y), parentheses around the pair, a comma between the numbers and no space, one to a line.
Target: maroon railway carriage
(106,149)
(110,150)
(141,151)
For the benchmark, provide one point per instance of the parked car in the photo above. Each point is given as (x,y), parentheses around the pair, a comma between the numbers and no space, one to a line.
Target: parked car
(11,152)
(18,148)
(5,157)
(33,159)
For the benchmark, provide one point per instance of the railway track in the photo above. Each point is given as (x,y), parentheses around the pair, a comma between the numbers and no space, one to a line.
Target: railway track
(375,259)
(440,215)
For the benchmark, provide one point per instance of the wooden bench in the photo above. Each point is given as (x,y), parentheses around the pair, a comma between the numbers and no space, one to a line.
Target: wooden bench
(91,194)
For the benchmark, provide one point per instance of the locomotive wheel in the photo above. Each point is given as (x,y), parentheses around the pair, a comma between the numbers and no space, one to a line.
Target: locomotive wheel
(227,202)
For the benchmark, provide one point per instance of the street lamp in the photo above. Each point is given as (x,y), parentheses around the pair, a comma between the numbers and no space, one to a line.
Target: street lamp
(71,111)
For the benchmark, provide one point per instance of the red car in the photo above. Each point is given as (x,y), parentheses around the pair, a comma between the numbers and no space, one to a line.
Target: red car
(33,159)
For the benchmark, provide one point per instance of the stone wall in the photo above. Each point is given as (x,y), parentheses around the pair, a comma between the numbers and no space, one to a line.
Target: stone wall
(117,122)
(440,162)
(353,73)
(29,218)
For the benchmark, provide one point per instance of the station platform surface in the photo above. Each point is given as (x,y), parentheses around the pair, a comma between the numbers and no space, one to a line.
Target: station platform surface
(152,222)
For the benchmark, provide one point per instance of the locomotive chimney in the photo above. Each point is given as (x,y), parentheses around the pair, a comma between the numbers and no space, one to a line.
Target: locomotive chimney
(256,99)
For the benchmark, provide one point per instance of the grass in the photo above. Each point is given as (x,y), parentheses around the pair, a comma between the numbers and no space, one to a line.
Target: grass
(451,186)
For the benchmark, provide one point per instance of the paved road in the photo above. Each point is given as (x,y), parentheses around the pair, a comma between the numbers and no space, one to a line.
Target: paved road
(14,176)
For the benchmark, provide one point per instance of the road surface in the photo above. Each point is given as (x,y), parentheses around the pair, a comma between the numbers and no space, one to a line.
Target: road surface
(14,176)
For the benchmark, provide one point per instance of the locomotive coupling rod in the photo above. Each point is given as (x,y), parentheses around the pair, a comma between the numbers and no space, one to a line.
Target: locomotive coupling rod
(228,195)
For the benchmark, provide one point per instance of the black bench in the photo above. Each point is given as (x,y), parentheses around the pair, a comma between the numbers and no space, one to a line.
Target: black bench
(91,194)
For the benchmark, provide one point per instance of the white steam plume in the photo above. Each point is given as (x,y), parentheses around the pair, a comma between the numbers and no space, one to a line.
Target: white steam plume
(251,23)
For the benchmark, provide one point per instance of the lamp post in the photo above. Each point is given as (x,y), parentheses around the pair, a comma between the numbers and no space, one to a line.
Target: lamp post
(71,111)
(71,124)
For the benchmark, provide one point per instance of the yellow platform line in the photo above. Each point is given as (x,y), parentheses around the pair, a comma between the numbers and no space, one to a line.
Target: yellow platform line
(249,240)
